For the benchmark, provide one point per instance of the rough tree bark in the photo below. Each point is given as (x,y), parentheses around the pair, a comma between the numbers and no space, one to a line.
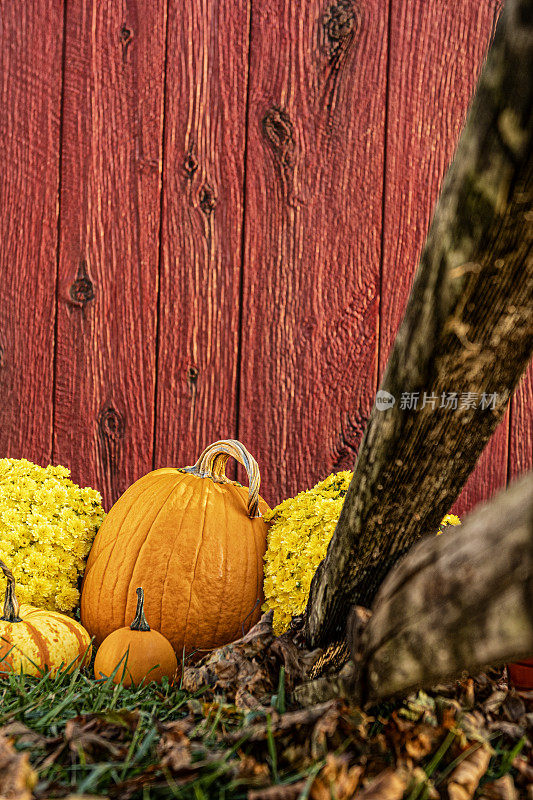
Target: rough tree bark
(456,602)
(467,328)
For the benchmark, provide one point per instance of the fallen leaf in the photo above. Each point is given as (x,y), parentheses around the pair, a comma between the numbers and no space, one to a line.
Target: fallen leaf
(421,741)
(389,785)
(523,767)
(83,797)
(17,778)
(465,778)
(239,665)
(249,768)
(513,707)
(27,737)
(101,736)
(247,671)
(494,701)
(174,748)
(502,789)
(290,791)
(298,720)
(512,730)
(336,779)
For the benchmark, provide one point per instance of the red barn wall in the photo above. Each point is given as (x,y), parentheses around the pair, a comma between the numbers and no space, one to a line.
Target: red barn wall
(210,216)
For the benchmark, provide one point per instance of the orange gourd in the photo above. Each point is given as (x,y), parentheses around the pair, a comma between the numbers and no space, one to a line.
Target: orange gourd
(32,639)
(195,540)
(139,652)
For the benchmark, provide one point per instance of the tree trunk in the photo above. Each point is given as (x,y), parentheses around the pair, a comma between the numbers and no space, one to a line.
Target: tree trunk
(467,329)
(457,602)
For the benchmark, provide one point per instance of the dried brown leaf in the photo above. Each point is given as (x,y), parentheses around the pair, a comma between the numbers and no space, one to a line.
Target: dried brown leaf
(502,789)
(17,778)
(247,671)
(327,726)
(336,779)
(299,721)
(241,665)
(494,701)
(83,797)
(250,769)
(28,737)
(525,769)
(101,736)
(513,707)
(174,748)
(389,785)
(465,778)
(421,741)
(279,792)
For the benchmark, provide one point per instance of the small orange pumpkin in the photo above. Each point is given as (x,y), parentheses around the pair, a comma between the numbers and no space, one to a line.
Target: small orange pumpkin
(195,540)
(139,652)
(32,639)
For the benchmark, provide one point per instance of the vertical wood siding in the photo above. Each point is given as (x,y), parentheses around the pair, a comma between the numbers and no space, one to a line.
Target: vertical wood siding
(109,240)
(210,215)
(314,179)
(30,112)
(203,209)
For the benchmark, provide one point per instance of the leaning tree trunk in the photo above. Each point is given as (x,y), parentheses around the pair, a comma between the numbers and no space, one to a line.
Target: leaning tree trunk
(456,602)
(467,329)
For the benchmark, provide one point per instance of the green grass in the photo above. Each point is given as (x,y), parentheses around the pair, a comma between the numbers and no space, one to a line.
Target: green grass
(46,704)
(128,765)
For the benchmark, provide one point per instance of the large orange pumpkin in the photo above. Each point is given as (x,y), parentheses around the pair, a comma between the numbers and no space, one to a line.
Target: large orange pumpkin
(195,541)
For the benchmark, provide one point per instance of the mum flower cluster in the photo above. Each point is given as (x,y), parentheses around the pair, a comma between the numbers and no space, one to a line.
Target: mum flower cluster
(47,524)
(300,531)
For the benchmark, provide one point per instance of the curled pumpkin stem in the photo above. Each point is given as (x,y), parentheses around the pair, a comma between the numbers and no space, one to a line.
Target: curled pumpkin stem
(212,464)
(140,623)
(11,604)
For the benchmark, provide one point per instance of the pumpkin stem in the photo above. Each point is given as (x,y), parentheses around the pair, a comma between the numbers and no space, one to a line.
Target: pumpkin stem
(140,623)
(11,604)
(212,464)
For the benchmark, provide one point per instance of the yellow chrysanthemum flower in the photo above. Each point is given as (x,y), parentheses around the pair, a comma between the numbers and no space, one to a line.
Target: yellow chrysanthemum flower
(47,524)
(301,529)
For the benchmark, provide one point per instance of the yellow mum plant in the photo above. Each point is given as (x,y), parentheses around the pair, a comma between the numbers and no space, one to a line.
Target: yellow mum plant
(47,524)
(300,531)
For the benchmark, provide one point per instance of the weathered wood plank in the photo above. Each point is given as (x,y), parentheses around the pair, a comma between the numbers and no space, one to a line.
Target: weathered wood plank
(110,202)
(521,432)
(436,51)
(458,602)
(31,38)
(207,77)
(312,236)
(468,319)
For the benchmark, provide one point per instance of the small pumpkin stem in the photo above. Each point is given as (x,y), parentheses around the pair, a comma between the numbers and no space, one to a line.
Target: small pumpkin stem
(11,604)
(140,623)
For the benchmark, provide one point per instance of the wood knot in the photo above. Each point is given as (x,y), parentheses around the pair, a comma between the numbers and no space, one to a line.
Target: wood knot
(190,164)
(207,199)
(111,423)
(126,37)
(339,23)
(82,290)
(279,133)
(192,375)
